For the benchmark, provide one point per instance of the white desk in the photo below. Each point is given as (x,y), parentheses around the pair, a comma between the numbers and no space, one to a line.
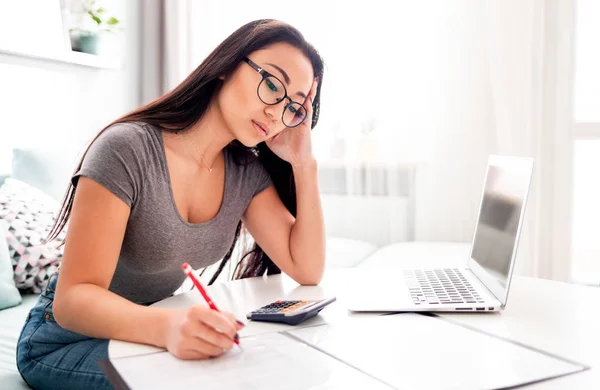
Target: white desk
(555,317)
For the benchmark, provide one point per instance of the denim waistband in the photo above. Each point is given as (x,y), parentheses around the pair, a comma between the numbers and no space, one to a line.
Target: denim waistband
(50,288)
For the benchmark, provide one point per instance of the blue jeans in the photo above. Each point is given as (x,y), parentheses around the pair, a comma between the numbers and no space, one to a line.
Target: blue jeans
(51,357)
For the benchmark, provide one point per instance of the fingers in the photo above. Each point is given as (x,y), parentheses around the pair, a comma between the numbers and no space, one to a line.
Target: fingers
(239,324)
(213,340)
(189,354)
(311,97)
(199,349)
(215,320)
(313,90)
(198,342)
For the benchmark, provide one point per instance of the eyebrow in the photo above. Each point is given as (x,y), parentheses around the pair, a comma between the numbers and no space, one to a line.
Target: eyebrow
(286,78)
(285,75)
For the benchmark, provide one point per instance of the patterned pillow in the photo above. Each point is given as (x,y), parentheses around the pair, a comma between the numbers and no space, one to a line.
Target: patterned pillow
(30,215)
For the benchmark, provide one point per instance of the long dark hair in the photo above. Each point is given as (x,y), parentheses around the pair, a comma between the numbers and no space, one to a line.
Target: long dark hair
(180,109)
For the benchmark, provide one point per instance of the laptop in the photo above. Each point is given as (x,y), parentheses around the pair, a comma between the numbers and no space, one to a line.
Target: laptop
(483,283)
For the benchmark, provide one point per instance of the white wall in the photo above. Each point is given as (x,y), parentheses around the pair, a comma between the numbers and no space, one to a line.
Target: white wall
(51,103)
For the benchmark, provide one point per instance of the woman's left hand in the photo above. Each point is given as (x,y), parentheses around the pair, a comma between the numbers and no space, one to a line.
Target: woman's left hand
(294,144)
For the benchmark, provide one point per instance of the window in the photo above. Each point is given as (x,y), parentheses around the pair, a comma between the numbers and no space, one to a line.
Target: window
(586,192)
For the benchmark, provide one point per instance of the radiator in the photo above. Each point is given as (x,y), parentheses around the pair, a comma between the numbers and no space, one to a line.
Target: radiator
(373,203)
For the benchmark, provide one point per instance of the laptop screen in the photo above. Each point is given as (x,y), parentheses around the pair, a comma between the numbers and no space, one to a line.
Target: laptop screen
(500,217)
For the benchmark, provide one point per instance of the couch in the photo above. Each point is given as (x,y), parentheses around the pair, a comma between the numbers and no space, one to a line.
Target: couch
(49,171)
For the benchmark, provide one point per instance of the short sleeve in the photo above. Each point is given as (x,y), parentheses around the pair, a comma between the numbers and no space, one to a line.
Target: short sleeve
(263,179)
(117,160)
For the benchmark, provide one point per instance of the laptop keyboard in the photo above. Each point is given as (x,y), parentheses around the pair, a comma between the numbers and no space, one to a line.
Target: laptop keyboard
(440,286)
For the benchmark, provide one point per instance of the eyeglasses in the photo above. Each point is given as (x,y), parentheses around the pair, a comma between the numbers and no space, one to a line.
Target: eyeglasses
(271,91)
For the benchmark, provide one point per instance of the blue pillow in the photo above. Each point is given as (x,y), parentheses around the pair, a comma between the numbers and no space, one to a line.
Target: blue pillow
(48,169)
(9,294)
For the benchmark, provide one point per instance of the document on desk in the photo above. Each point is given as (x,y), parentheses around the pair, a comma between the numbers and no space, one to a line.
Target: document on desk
(267,361)
(412,351)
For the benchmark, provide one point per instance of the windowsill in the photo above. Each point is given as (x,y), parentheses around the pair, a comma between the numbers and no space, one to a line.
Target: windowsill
(362,164)
(70,57)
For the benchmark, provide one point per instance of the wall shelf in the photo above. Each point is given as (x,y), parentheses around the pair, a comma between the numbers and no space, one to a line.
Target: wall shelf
(70,57)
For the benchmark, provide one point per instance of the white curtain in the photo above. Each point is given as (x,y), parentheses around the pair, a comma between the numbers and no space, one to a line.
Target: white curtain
(531,70)
(165,46)
(416,96)
(508,92)
(523,107)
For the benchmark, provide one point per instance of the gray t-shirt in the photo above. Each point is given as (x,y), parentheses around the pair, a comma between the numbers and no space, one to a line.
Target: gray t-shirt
(129,160)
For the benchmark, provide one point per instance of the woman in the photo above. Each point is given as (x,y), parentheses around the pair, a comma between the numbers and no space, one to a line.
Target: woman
(172,182)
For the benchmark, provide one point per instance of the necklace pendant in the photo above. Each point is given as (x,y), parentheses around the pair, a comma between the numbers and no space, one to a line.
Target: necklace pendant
(210,169)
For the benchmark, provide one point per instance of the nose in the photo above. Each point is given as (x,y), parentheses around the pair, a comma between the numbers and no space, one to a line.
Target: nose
(275,111)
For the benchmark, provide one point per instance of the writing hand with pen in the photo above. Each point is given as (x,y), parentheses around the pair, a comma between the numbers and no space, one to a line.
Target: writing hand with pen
(201,332)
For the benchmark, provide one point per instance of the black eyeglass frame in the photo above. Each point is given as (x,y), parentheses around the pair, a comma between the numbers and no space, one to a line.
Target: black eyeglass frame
(266,74)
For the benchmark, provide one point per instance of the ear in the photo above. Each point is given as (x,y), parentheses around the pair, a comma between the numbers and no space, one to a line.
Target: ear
(222,77)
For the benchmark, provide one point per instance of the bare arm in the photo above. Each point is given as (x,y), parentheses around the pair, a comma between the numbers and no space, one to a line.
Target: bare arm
(84,305)
(296,246)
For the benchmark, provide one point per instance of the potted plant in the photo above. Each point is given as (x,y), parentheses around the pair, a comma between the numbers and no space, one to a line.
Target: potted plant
(95,28)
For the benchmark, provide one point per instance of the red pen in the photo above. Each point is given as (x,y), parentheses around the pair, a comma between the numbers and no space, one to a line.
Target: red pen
(188,271)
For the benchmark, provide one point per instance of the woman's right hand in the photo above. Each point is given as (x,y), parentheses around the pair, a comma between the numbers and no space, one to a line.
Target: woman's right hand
(199,332)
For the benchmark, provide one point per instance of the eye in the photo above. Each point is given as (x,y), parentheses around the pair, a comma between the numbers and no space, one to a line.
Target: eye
(271,85)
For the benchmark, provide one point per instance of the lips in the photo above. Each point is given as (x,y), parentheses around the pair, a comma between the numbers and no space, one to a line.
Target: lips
(261,126)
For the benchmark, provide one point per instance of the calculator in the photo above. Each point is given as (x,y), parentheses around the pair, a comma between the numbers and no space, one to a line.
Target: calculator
(290,312)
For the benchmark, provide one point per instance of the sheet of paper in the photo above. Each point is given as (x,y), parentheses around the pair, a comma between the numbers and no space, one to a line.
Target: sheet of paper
(268,361)
(411,351)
